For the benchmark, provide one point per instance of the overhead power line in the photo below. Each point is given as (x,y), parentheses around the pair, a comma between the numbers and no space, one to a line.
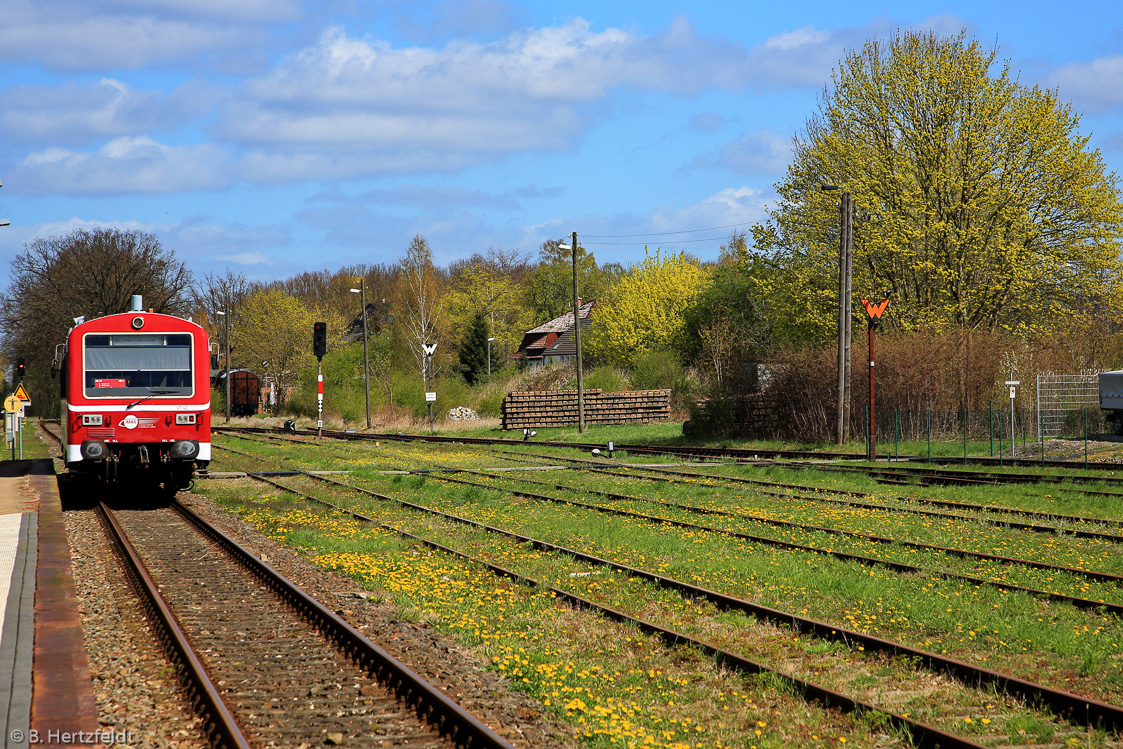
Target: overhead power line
(661,233)
(675,241)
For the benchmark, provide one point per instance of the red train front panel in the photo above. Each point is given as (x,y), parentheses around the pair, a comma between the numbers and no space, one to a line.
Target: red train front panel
(136,395)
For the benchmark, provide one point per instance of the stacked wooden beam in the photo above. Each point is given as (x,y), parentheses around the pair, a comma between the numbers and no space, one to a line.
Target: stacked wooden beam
(556,408)
(749,415)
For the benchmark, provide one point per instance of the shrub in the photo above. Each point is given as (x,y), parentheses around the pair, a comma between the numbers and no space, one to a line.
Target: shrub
(608,379)
(656,370)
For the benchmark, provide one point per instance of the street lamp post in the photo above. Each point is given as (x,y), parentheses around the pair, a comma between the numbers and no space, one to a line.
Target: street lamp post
(226,321)
(577,337)
(4,221)
(362,292)
(845,271)
(489,340)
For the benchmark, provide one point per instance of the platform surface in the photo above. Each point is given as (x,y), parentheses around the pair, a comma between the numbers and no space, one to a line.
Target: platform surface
(45,683)
(19,508)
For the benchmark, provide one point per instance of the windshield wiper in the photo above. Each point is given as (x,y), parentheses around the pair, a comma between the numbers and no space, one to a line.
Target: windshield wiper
(153,394)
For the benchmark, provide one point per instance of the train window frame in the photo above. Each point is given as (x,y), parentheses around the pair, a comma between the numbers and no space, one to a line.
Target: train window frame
(137,342)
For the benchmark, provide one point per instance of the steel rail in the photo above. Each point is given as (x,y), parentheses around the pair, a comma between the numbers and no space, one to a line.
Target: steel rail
(742,454)
(1082,603)
(1031,527)
(966,476)
(431,704)
(1112,538)
(219,723)
(1083,711)
(1090,574)
(962,553)
(995,509)
(923,734)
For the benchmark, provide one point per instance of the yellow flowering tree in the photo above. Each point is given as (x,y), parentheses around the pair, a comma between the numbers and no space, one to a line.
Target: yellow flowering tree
(483,290)
(275,332)
(645,309)
(977,202)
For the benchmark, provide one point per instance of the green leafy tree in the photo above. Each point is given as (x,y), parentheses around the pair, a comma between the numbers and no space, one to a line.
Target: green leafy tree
(276,333)
(420,303)
(481,289)
(727,322)
(549,289)
(645,311)
(473,351)
(88,273)
(977,201)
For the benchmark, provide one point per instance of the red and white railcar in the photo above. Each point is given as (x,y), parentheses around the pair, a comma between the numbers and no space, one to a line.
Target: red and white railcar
(136,397)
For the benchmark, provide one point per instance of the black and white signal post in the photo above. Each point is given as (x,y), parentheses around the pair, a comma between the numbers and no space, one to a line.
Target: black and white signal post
(430,394)
(319,348)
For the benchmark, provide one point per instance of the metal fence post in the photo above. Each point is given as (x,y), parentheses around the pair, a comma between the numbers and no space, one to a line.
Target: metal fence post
(991,404)
(896,435)
(1000,438)
(929,435)
(867,420)
(965,436)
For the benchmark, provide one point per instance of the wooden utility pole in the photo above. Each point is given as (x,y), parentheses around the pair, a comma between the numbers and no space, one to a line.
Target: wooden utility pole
(577,343)
(845,271)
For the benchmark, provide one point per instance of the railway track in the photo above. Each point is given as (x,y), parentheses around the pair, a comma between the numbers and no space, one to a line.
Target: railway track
(799,458)
(666,474)
(266,664)
(984,510)
(922,734)
(1075,707)
(1088,604)
(1084,603)
(696,452)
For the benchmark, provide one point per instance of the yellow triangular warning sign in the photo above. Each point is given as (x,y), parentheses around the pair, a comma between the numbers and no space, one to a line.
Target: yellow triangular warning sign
(21,393)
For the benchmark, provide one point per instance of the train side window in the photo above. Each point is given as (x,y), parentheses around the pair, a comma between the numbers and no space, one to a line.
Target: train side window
(63,379)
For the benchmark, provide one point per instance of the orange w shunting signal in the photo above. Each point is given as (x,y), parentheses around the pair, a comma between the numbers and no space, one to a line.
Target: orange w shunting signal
(875,311)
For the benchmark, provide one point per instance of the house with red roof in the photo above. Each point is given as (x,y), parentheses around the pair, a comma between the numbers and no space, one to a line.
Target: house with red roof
(553,342)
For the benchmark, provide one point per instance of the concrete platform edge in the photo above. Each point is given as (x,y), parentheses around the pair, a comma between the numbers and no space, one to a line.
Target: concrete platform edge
(62,699)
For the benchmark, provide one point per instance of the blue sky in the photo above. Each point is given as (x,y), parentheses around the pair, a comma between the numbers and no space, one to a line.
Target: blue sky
(276,136)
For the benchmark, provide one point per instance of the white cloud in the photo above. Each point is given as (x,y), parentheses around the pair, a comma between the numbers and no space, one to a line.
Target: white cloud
(756,152)
(732,205)
(262,11)
(1095,86)
(122,166)
(797,40)
(75,113)
(73,35)
(401,109)
(394,109)
(807,56)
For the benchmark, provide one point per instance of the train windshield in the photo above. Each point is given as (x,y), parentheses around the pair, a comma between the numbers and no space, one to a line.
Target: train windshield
(137,364)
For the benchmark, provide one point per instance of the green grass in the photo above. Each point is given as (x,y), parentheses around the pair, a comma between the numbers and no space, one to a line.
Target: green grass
(1014,632)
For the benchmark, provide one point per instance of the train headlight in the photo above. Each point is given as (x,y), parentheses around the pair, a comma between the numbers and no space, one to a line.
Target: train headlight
(138,323)
(185,419)
(91,420)
(185,449)
(93,450)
